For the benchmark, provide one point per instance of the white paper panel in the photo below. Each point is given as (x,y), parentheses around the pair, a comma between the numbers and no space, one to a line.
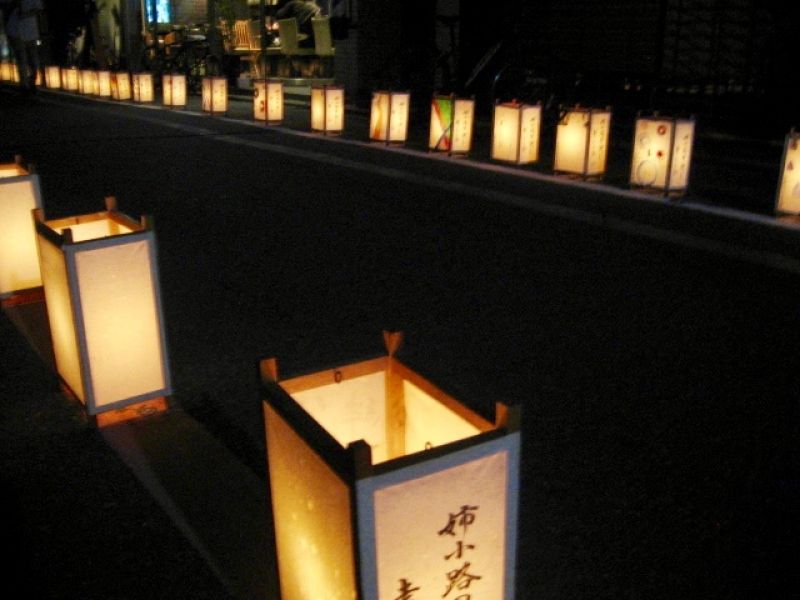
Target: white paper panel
(789,191)
(505,133)
(651,151)
(570,154)
(463,116)
(682,155)
(334,110)
(317,109)
(260,100)
(598,142)
(429,422)
(529,134)
(19,261)
(441,120)
(398,123)
(121,321)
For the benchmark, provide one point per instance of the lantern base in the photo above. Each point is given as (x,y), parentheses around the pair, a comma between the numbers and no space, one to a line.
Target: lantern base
(579,176)
(27,296)
(788,218)
(655,191)
(132,411)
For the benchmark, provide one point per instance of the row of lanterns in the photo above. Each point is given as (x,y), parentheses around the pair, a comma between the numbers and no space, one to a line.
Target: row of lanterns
(662,145)
(381,483)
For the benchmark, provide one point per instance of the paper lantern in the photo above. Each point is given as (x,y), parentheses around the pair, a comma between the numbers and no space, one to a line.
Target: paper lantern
(215,95)
(662,153)
(88,82)
(327,109)
(384,486)
(70,79)
(787,201)
(142,87)
(121,85)
(103,84)
(582,142)
(5,70)
(451,124)
(515,132)
(388,121)
(268,101)
(52,77)
(19,261)
(174,89)
(100,278)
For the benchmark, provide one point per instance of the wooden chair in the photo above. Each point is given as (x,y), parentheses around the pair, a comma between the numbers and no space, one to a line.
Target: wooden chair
(323,42)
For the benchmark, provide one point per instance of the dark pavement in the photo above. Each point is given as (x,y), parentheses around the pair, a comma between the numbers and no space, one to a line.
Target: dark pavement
(653,346)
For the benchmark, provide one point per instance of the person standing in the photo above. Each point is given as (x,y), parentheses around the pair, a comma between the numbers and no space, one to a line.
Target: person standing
(22,29)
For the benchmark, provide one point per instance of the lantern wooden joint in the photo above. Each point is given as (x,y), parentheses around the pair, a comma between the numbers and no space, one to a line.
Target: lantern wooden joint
(268,369)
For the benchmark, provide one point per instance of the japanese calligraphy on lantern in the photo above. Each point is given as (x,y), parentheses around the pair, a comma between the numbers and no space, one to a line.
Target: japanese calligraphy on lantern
(582,142)
(215,95)
(515,134)
(662,153)
(268,101)
(788,200)
(389,116)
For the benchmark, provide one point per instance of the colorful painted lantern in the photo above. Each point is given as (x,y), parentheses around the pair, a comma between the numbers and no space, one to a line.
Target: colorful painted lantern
(451,125)
(388,120)
(662,153)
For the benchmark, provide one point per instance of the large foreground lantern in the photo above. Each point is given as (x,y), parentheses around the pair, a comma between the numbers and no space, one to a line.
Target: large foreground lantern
(121,85)
(385,487)
(451,124)
(100,278)
(388,121)
(327,109)
(174,89)
(582,141)
(662,153)
(70,79)
(215,95)
(19,261)
(52,77)
(515,132)
(268,101)
(142,87)
(788,197)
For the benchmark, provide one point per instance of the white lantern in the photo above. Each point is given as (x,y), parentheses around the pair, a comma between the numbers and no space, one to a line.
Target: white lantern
(88,82)
(215,95)
(174,89)
(662,153)
(6,70)
(19,261)
(787,201)
(388,120)
(268,101)
(121,85)
(327,109)
(582,142)
(451,127)
(384,486)
(100,277)
(142,84)
(515,132)
(103,84)
(52,77)
(70,79)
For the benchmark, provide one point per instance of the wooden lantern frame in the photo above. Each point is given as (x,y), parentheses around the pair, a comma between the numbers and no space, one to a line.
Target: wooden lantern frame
(309,467)
(787,197)
(527,134)
(208,97)
(323,120)
(388,103)
(269,101)
(446,133)
(597,136)
(646,171)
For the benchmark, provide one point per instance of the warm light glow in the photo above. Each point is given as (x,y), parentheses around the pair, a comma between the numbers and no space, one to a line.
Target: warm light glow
(788,198)
(103,84)
(268,101)
(88,82)
(174,89)
(6,70)
(121,85)
(215,95)
(142,84)
(389,117)
(70,79)
(582,142)
(451,124)
(327,109)
(19,261)
(515,135)
(103,305)
(52,77)
(662,150)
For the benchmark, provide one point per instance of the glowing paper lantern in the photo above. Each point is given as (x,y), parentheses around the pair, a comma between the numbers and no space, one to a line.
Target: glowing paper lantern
(327,109)
(100,278)
(515,133)
(215,95)
(8,71)
(268,101)
(388,121)
(142,87)
(662,153)
(383,486)
(19,195)
(121,85)
(174,89)
(788,198)
(88,82)
(103,80)
(451,124)
(582,142)
(52,77)
(70,79)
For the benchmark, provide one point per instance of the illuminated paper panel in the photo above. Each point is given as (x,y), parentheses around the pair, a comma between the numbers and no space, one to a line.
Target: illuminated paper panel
(451,125)
(327,109)
(389,116)
(121,86)
(515,134)
(268,101)
(142,87)
(70,79)
(104,84)
(582,142)
(788,198)
(7,70)
(681,155)
(19,260)
(103,303)
(52,77)
(85,82)
(662,152)
(174,89)
(215,95)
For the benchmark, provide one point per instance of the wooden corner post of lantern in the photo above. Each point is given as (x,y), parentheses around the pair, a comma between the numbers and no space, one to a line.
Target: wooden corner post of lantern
(20,278)
(101,286)
(268,101)
(787,201)
(327,109)
(451,125)
(389,114)
(515,132)
(215,95)
(582,142)
(662,154)
(383,484)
